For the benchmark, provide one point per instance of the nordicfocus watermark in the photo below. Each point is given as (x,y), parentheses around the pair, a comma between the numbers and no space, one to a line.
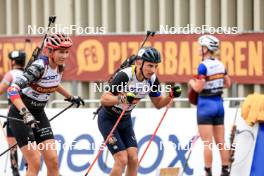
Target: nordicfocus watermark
(221,146)
(70,29)
(59,145)
(137,87)
(192,29)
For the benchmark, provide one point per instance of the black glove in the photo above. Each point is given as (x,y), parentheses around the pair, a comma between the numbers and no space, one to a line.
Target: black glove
(75,100)
(130,97)
(126,99)
(175,92)
(28,118)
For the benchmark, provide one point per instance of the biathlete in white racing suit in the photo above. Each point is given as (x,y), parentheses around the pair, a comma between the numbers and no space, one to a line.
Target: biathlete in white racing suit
(29,95)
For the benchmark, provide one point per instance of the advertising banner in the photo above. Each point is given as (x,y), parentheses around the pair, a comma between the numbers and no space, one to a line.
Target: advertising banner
(95,57)
(78,141)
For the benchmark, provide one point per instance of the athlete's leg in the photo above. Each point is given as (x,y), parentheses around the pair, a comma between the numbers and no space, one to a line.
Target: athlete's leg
(13,156)
(206,133)
(44,138)
(128,137)
(32,156)
(50,157)
(206,111)
(24,135)
(224,152)
(115,143)
(132,165)
(121,160)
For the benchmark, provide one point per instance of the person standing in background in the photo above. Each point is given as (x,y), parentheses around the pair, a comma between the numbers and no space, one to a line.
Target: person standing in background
(18,60)
(211,79)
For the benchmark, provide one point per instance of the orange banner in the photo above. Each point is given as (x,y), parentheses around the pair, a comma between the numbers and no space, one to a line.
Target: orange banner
(95,58)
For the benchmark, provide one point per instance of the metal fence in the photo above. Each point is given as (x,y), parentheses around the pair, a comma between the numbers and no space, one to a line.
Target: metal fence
(228,101)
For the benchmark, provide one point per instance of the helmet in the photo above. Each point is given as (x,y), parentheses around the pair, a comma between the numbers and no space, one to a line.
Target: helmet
(211,42)
(149,54)
(18,56)
(56,41)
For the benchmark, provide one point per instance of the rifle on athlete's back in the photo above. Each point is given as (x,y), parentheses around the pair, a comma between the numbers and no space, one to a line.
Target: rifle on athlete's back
(127,63)
(38,49)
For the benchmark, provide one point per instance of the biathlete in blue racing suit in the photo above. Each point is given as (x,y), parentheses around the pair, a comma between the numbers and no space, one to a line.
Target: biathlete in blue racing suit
(212,78)
(126,89)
